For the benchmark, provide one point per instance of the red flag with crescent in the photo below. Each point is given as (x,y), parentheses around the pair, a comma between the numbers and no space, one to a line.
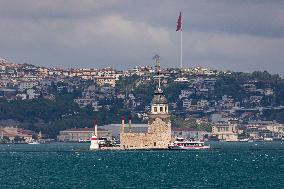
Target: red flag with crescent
(179,24)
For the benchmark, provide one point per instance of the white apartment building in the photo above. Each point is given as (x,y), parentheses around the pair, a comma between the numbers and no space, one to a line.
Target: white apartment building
(105,80)
(31,94)
(184,93)
(24,85)
(202,103)
(186,103)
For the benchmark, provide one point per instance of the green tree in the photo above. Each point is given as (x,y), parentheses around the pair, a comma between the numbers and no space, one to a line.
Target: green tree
(172,90)
(128,84)
(18,139)
(5,139)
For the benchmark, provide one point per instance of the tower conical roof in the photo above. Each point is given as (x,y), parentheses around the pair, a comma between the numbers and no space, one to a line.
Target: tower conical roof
(159,97)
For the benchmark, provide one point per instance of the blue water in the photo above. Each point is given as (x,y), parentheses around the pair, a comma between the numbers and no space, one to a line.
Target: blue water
(67,165)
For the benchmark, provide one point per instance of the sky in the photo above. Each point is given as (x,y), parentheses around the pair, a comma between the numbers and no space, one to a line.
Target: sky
(238,35)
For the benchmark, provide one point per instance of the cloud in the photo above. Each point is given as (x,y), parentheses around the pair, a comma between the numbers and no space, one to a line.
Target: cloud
(111,29)
(231,51)
(231,34)
(106,35)
(39,9)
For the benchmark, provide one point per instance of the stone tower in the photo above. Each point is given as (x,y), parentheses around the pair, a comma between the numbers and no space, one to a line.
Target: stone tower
(159,120)
(159,126)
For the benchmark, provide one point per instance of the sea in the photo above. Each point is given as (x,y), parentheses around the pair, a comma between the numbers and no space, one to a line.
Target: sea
(72,165)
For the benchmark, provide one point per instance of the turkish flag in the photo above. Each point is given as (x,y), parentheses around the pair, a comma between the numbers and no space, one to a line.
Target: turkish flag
(179,24)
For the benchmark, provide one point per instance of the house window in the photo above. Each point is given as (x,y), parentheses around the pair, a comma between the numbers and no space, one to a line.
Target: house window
(165,109)
(154,143)
(161,109)
(155,109)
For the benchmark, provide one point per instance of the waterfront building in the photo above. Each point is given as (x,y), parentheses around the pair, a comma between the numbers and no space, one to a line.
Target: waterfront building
(189,133)
(265,129)
(7,93)
(81,134)
(13,132)
(226,131)
(276,128)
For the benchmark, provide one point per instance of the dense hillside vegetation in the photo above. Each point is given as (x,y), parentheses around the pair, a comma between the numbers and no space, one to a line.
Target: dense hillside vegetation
(51,116)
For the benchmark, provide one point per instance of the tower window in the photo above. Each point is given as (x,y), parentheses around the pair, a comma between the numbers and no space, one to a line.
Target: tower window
(165,109)
(161,109)
(155,109)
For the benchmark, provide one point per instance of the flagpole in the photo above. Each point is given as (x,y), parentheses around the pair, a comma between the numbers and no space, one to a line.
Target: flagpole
(181,48)
(179,28)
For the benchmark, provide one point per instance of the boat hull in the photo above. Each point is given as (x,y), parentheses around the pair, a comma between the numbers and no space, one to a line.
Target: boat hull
(189,147)
(34,143)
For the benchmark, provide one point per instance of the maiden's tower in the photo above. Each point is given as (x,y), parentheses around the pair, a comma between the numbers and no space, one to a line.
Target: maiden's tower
(159,126)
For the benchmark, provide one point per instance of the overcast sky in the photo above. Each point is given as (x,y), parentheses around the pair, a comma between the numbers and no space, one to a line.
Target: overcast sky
(240,35)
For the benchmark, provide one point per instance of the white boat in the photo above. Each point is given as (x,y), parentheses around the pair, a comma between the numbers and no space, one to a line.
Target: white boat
(34,142)
(181,144)
(244,140)
(83,141)
(268,139)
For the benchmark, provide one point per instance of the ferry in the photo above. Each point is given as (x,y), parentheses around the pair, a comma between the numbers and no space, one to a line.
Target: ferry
(181,144)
